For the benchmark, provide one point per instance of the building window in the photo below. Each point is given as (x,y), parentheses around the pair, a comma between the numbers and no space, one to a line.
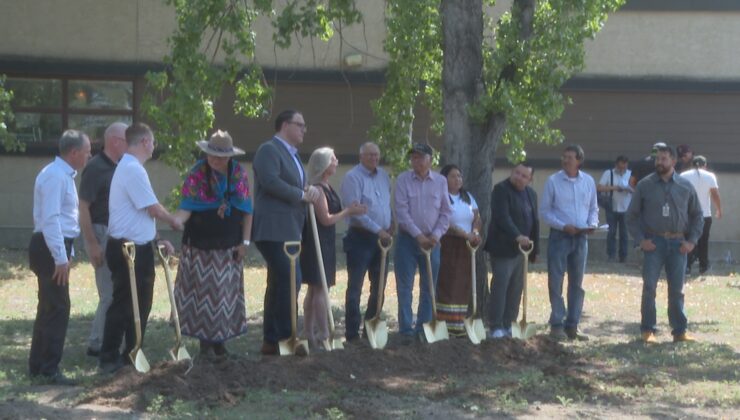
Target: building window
(44,108)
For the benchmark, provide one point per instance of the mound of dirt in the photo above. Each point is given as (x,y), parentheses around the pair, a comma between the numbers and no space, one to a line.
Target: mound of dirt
(225,381)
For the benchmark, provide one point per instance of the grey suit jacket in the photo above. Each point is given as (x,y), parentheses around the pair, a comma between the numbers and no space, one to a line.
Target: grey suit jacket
(279,213)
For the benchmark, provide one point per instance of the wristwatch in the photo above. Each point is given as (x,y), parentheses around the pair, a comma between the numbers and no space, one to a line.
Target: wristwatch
(246,242)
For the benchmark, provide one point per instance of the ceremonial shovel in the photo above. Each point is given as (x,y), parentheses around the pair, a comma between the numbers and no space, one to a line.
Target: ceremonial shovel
(434,330)
(137,356)
(474,325)
(179,352)
(330,343)
(293,345)
(522,330)
(376,329)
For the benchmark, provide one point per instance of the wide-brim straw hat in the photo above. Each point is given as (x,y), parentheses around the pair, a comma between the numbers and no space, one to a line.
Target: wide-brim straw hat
(220,144)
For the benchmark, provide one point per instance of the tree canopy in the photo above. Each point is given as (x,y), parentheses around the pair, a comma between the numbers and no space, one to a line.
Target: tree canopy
(518,62)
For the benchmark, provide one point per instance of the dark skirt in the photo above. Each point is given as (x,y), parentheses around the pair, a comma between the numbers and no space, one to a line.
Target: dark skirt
(453,285)
(209,293)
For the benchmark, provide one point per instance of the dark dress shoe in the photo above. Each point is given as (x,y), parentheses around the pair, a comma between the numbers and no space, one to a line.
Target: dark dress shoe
(269,349)
(110,367)
(55,379)
(220,349)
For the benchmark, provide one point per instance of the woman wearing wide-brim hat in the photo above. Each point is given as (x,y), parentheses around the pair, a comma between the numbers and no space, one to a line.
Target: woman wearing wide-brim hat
(216,209)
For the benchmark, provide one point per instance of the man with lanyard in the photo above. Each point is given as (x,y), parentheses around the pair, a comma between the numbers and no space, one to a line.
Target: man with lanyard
(94,191)
(615,182)
(370,185)
(55,225)
(665,218)
(132,208)
(569,207)
(280,197)
(423,211)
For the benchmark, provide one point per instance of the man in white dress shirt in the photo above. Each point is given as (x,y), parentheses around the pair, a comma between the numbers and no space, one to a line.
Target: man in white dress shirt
(55,225)
(133,208)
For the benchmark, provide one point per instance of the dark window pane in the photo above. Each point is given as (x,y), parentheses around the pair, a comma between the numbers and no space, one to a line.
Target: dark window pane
(32,127)
(30,93)
(94,125)
(91,94)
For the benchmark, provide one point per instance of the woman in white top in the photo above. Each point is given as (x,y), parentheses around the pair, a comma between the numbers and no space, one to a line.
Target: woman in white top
(453,287)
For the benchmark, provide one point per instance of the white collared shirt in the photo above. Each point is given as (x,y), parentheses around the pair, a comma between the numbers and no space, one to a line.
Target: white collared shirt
(56,207)
(569,201)
(130,194)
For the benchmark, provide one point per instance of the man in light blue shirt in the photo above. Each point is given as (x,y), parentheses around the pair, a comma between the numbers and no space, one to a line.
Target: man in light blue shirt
(569,207)
(368,184)
(55,225)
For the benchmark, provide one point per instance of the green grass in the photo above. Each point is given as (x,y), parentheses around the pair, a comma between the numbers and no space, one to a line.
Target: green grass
(622,373)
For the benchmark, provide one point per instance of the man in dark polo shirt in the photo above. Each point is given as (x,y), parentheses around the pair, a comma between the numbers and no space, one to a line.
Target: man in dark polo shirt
(94,190)
(665,218)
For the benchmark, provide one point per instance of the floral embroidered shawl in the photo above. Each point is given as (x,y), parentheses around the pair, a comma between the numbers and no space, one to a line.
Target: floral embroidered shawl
(196,196)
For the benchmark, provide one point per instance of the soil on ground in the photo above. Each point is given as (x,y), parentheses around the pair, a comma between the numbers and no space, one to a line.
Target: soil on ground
(226,380)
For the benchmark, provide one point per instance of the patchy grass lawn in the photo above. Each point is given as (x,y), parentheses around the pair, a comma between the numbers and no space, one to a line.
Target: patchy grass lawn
(611,375)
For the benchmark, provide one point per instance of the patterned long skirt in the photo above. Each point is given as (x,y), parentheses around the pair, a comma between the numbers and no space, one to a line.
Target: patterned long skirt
(453,285)
(209,293)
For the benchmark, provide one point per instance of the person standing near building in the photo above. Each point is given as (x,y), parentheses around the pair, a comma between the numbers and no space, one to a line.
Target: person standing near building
(55,225)
(569,207)
(133,209)
(423,211)
(615,182)
(707,189)
(684,158)
(370,185)
(665,218)
(514,224)
(645,166)
(280,197)
(216,210)
(94,191)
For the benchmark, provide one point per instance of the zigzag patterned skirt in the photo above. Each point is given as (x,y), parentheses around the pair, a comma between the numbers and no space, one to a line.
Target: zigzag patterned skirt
(209,293)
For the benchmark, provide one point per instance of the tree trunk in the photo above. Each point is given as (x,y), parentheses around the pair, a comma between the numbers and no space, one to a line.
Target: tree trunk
(467,144)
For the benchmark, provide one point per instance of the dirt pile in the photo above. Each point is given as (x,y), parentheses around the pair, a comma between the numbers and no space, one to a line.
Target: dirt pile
(225,381)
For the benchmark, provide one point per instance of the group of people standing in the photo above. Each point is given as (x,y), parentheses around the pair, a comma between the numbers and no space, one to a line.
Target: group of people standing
(434,217)
(618,183)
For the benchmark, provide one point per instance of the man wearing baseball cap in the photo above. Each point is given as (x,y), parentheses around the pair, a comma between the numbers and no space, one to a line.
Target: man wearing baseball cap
(646,166)
(423,212)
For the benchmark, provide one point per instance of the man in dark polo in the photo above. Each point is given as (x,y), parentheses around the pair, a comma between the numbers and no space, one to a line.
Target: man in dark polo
(665,218)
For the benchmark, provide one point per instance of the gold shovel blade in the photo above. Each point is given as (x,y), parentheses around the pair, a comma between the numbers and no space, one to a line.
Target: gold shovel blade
(475,329)
(377,333)
(523,330)
(436,331)
(139,360)
(293,346)
(179,353)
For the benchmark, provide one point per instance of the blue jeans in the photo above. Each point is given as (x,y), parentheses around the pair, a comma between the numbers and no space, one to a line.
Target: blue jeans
(566,253)
(363,256)
(408,256)
(665,254)
(616,223)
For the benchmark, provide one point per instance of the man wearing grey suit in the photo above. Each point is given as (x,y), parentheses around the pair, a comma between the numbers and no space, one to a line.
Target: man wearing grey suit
(280,195)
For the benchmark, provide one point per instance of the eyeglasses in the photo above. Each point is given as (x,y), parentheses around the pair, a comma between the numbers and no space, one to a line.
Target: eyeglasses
(300,125)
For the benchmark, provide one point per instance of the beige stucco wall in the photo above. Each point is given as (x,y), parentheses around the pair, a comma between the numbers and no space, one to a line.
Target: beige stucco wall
(699,45)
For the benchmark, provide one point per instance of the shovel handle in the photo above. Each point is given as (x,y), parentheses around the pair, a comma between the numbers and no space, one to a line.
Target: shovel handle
(293,256)
(129,251)
(322,269)
(525,269)
(381,281)
(473,249)
(432,294)
(165,259)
